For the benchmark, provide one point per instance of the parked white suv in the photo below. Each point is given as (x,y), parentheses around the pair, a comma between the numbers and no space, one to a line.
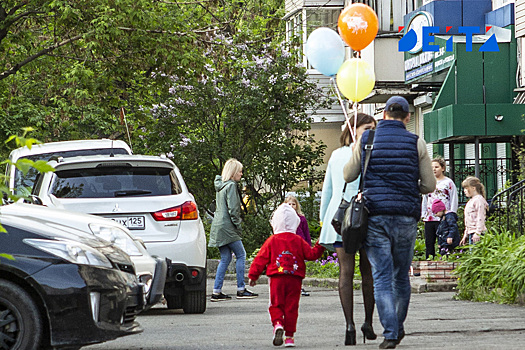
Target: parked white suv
(148,195)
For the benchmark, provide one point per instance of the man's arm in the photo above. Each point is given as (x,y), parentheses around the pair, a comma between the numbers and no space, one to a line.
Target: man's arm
(352,169)
(427,183)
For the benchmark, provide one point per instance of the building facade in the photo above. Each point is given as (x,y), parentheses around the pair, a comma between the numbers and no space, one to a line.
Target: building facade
(467,104)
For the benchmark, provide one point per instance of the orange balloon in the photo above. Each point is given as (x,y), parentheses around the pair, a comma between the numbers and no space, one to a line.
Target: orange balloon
(358,25)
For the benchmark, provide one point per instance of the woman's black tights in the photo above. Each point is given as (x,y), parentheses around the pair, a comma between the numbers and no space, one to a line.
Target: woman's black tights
(346,284)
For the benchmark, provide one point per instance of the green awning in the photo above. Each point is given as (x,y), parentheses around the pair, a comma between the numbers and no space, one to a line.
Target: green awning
(476,99)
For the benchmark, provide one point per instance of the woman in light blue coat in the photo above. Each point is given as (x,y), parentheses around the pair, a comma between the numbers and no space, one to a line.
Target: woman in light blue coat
(330,200)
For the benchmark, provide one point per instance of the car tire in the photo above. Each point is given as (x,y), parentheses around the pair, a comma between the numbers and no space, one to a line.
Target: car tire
(173,301)
(21,321)
(194,302)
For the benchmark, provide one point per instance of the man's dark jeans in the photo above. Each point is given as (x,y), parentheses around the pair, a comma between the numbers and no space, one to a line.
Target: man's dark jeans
(390,248)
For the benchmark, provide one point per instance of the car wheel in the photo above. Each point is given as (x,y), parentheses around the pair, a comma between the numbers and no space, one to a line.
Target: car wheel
(194,302)
(173,301)
(20,320)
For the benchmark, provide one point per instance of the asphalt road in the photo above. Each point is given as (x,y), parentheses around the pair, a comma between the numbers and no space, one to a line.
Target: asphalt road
(435,321)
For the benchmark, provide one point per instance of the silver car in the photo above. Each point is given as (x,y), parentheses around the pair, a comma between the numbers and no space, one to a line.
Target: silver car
(148,195)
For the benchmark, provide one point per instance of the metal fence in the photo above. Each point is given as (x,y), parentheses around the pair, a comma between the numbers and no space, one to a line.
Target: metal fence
(505,194)
(494,174)
(507,208)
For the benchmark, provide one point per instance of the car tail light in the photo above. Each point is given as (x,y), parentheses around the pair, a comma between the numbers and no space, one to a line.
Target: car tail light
(186,211)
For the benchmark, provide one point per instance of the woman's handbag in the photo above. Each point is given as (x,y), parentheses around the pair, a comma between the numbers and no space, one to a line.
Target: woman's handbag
(339,216)
(355,222)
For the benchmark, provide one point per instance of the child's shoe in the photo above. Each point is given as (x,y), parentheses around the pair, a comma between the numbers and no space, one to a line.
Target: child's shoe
(278,332)
(289,342)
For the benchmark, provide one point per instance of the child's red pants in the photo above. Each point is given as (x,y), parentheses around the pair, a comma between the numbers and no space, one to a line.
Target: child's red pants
(285,292)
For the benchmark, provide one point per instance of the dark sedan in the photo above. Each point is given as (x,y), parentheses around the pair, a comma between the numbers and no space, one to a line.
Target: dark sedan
(63,288)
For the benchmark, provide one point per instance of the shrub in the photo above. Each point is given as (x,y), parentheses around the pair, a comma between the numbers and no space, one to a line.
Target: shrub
(494,270)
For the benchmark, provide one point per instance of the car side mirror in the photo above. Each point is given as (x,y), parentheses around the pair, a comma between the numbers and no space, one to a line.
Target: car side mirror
(34,199)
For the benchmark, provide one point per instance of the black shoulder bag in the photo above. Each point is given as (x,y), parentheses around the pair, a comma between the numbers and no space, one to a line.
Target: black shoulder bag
(355,222)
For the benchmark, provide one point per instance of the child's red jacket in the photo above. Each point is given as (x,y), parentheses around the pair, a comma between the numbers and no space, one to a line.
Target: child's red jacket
(284,254)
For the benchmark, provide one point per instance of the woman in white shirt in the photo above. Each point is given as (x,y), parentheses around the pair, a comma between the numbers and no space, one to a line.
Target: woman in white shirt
(447,192)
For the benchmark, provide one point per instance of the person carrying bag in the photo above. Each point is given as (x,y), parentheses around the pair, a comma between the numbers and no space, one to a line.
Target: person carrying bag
(351,218)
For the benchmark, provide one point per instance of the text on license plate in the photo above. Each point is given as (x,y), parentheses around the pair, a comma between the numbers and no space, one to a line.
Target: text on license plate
(131,222)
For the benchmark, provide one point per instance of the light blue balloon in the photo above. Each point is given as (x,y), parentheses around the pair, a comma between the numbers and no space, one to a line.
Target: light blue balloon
(325,51)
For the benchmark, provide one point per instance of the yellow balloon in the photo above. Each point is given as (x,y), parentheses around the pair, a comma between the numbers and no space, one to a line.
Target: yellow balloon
(355,79)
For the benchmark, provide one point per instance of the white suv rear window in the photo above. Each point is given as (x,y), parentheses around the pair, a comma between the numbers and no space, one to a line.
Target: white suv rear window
(115,181)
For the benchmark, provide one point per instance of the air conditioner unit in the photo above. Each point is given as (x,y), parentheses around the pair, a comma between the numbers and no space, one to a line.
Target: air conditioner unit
(423,100)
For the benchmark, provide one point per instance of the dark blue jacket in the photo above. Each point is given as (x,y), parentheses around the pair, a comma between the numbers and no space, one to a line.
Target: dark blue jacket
(448,228)
(391,180)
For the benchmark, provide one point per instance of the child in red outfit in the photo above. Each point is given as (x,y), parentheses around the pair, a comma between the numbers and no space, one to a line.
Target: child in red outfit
(283,256)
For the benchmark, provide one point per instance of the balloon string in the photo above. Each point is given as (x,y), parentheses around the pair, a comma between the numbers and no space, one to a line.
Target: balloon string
(352,131)
(355,121)
(354,106)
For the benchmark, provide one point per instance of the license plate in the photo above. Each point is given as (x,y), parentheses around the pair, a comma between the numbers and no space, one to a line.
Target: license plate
(131,222)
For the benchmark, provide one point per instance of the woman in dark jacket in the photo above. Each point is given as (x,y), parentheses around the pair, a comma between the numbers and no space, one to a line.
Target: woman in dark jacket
(225,230)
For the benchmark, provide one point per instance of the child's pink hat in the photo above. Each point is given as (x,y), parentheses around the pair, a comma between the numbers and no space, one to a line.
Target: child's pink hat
(285,219)
(438,206)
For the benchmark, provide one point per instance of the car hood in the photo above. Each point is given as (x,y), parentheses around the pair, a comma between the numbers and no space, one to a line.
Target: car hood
(70,219)
(51,230)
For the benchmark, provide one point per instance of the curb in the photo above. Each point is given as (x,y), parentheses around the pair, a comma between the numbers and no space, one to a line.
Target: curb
(418,284)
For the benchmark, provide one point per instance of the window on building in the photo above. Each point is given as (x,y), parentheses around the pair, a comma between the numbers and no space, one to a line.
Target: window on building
(316,18)
(294,26)
(320,17)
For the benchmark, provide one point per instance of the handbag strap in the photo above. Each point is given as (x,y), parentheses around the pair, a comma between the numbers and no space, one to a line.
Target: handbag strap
(368,148)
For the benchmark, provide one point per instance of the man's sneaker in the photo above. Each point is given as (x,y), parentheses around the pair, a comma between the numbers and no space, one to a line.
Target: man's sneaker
(220,296)
(246,294)
(278,332)
(289,342)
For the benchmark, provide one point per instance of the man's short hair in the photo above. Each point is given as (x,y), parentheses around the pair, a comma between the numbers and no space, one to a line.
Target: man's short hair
(397,107)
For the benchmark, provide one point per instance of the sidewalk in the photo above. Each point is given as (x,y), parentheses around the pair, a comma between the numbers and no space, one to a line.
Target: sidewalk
(419,285)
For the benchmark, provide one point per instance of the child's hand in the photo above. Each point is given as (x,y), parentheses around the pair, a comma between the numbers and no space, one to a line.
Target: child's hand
(475,238)
(463,240)
(252,283)
(449,240)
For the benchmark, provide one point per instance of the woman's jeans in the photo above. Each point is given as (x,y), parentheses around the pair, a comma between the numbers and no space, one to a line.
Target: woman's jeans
(390,248)
(226,257)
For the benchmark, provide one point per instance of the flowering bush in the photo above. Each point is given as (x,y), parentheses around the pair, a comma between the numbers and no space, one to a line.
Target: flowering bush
(328,267)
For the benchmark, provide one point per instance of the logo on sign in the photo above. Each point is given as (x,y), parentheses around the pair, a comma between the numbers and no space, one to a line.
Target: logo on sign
(419,36)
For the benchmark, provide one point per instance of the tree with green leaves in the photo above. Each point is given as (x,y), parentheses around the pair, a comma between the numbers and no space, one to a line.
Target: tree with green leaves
(201,80)
(251,106)
(68,67)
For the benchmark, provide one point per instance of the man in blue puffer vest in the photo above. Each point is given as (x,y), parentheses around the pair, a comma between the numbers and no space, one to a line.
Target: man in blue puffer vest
(398,171)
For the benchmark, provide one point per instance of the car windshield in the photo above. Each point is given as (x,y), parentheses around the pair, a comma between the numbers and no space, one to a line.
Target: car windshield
(24,182)
(115,181)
